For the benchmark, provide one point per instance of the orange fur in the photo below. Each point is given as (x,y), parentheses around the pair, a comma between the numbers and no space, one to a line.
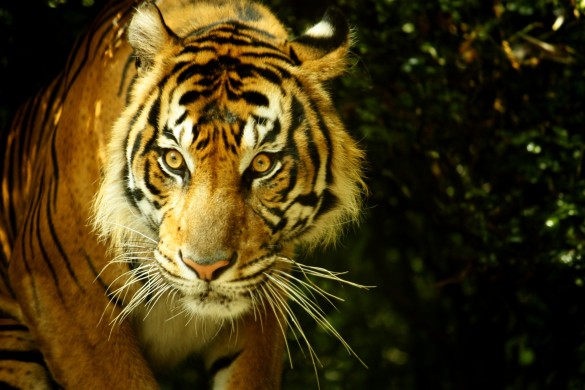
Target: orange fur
(120,263)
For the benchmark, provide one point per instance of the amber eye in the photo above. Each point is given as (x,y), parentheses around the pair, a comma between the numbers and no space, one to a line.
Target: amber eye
(261,163)
(174,159)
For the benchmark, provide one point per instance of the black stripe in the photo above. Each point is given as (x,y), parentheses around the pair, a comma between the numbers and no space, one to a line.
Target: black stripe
(97,276)
(322,126)
(313,152)
(5,278)
(13,327)
(311,199)
(222,363)
(54,158)
(255,98)
(249,70)
(328,202)
(153,117)
(28,236)
(195,50)
(239,131)
(7,386)
(151,187)
(208,69)
(230,27)
(280,225)
(182,118)
(233,40)
(125,70)
(267,55)
(112,297)
(23,356)
(299,224)
(273,133)
(39,240)
(202,143)
(267,222)
(59,246)
(136,146)
(134,195)
(154,113)
(189,97)
(292,181)
(168,133)
(297,112)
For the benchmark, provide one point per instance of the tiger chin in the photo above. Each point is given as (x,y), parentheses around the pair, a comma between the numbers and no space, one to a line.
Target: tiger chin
(202,166)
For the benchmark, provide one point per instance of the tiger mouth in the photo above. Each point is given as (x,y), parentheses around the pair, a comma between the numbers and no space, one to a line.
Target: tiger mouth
(224,299)
(159,281)
(211,295)
(215,303)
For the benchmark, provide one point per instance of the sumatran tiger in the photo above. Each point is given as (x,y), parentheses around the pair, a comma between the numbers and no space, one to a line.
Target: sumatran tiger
(154,193)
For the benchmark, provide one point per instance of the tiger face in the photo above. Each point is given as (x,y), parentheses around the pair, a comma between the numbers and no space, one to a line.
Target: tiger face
(228,155)
(214,188)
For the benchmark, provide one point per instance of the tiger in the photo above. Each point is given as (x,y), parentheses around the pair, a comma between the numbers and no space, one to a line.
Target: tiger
(156,193)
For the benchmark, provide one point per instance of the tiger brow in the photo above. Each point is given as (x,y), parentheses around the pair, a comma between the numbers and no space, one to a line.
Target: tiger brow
(168,133)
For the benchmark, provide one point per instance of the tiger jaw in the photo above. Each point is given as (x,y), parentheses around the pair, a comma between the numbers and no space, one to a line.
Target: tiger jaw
(212,303)
(211,299)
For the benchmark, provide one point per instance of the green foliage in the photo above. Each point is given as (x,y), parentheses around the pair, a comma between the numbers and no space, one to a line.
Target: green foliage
(472,116)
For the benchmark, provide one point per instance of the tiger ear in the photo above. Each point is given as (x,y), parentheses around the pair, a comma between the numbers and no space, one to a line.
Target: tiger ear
(148,34)
(323,48)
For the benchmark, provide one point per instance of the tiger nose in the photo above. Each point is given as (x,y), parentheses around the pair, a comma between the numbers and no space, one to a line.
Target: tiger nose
(209,269)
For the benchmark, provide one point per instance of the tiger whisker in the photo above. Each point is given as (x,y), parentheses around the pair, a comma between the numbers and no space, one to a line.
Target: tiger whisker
(280,302)
(158,294)
(278,319)
(144,273)
(131,230)
(311,287)
(321,273)
(297,295)
(176,315)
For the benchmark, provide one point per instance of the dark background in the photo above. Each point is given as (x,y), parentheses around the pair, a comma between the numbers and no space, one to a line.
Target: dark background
(472,114)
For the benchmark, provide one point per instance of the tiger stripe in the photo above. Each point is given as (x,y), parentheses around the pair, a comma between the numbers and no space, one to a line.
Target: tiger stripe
(212,158)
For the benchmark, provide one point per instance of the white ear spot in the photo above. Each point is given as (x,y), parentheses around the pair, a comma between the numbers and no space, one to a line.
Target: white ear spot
(321,30)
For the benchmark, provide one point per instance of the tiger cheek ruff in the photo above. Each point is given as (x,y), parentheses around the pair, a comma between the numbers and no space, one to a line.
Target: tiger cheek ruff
(198,140)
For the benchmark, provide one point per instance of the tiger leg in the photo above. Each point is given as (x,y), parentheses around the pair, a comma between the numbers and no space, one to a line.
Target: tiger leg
(79,349)
(21,363)
(250,355)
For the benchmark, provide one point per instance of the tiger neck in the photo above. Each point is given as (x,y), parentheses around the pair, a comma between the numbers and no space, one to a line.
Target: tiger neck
(168,337)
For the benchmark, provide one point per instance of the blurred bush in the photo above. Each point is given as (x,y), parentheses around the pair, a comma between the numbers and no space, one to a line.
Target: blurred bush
(472,113)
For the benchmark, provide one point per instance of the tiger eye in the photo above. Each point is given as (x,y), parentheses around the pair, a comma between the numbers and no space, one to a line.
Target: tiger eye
(261,163)
(174,159)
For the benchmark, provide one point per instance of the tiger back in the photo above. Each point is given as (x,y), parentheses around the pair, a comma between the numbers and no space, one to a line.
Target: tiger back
(155,192)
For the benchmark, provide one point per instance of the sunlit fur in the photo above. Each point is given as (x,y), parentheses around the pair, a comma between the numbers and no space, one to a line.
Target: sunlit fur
(193,241)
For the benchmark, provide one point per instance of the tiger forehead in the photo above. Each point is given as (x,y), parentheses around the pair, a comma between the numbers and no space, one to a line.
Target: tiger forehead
(234,39)
(215,113)
(237,28)
(218,129)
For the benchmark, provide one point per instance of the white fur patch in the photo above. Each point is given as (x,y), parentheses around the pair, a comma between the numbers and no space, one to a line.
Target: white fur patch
(146,32)
(169,337)
(321,30)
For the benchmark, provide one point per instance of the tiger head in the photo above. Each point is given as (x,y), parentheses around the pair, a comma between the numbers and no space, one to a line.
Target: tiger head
(228,155)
